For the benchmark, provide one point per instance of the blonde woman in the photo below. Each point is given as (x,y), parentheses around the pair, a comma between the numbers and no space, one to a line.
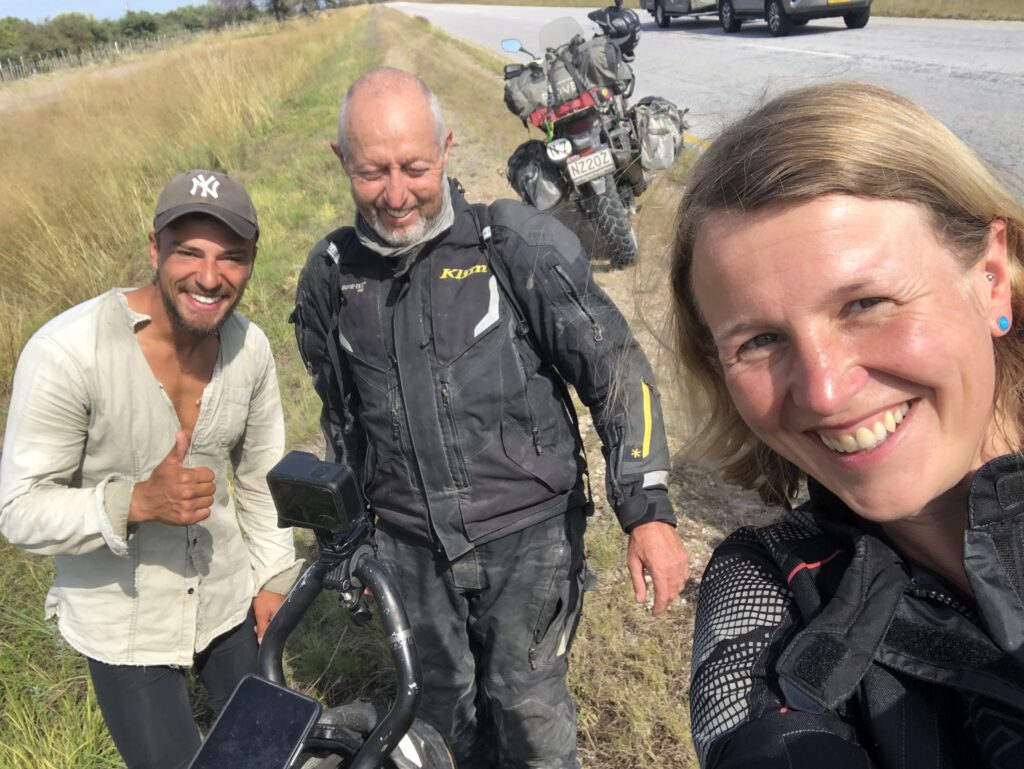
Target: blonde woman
(847,282)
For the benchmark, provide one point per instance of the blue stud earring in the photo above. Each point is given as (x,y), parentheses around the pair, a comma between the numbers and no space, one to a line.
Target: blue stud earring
(1004,323)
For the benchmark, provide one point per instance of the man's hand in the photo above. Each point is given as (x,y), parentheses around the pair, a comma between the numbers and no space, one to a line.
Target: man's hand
(265,606)
(656,548)
(174,494)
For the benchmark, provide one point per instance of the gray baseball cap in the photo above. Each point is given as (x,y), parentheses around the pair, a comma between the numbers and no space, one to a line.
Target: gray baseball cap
(211,193)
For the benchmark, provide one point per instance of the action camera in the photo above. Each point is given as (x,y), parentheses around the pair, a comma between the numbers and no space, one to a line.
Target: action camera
(313,494)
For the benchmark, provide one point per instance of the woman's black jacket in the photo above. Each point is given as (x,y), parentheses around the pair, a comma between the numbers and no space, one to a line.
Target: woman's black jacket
(817,644)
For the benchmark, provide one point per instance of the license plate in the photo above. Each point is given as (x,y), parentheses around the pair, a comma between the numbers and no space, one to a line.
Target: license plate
(838,2)
(584,168)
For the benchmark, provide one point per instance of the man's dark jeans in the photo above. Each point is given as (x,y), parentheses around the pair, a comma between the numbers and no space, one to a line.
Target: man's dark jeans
(493,630)
(147,710)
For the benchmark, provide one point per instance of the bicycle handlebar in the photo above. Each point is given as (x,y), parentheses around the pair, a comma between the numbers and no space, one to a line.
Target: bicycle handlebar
(397,722)
(389,732)
(294,607)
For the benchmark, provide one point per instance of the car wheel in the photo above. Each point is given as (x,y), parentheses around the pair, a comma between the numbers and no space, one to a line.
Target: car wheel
(779,24)
(727,16)
(660,17)
(858,19)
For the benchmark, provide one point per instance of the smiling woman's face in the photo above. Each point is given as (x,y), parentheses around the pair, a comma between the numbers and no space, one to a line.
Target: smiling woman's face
(855,346)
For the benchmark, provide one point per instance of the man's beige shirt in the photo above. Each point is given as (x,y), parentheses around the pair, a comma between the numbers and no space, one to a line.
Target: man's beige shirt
(87,420)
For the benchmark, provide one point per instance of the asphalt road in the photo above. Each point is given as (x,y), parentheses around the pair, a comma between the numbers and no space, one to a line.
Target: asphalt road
(969,74)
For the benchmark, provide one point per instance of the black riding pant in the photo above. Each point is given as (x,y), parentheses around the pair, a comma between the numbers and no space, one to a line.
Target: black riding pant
(493,629)
(147,710)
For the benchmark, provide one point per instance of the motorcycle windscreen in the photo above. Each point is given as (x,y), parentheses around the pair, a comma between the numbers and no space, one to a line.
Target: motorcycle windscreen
(263,726)
(559,32)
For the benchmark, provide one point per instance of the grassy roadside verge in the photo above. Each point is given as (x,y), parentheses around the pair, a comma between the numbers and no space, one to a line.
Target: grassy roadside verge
(1009,10)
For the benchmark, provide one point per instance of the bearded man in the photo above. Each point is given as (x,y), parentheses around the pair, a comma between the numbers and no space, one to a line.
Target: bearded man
(125,415)
(440,336)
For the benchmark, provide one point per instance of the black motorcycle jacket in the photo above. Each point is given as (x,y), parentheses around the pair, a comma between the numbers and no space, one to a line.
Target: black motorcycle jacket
(446,394)
(817,643)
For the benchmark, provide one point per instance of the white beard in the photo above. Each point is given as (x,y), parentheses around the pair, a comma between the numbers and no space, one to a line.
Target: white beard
(407,236)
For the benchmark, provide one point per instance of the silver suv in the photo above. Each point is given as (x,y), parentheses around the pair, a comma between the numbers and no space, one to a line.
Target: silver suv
(783,15)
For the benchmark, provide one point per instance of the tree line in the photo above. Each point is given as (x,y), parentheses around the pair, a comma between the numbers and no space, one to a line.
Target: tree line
(75,33)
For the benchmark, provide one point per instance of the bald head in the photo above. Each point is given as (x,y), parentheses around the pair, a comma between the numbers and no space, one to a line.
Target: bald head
(394,148)
(387,90)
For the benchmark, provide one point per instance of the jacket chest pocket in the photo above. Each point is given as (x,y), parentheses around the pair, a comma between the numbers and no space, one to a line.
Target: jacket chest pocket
(464,314)
(364,332)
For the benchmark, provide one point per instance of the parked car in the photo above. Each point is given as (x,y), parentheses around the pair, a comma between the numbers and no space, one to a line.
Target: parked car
(664,11)
(783,15)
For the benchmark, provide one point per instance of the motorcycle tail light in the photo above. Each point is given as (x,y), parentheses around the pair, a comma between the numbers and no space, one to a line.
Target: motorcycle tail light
(579,126)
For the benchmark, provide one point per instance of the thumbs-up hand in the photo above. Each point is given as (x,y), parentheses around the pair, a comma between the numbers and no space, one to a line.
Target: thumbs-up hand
(174,494)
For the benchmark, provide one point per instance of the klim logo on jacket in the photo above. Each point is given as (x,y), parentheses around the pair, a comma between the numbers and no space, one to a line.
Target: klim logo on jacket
(458,273)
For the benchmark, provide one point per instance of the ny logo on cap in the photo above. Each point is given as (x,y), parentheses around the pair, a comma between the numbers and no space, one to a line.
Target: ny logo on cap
(206,185)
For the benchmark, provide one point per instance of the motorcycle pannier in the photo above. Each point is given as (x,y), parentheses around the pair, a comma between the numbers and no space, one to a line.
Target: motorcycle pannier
(534,177)
(660,126)
(600,62)
(526,91)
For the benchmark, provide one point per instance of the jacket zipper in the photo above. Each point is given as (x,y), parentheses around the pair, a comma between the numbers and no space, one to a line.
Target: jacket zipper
(615,461)
(534,431)
(946,600)
(456,461)
(396,421)
(396,433)
(571,291)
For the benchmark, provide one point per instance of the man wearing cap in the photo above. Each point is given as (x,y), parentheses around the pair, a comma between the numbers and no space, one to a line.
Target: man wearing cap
(127,413)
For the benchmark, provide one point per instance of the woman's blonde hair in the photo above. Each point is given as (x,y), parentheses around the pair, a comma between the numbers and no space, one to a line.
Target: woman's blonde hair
(849,138)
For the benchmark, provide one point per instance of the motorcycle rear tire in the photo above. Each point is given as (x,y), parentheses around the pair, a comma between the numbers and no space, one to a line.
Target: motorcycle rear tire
(611,220)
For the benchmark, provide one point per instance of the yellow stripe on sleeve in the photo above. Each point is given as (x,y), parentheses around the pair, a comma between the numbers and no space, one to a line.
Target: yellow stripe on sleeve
(647,418)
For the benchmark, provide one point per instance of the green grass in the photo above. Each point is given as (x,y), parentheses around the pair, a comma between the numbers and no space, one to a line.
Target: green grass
(49,716)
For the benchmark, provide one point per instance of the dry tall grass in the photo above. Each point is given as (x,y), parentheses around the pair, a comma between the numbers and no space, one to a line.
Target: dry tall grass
(84,156)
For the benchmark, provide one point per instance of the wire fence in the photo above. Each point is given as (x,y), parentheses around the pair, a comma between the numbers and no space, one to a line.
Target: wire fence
(25,66)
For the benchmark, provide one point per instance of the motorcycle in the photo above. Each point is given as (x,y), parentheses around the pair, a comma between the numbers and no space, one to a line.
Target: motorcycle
(596,149)
(265,725)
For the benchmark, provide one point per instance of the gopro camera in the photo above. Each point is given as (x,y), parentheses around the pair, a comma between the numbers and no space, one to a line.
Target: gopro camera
(313,494)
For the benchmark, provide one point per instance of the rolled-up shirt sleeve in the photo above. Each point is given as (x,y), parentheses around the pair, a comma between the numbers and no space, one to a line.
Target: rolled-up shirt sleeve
(42,508)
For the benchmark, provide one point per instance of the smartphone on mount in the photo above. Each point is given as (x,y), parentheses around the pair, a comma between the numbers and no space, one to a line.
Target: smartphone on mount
(263,726)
